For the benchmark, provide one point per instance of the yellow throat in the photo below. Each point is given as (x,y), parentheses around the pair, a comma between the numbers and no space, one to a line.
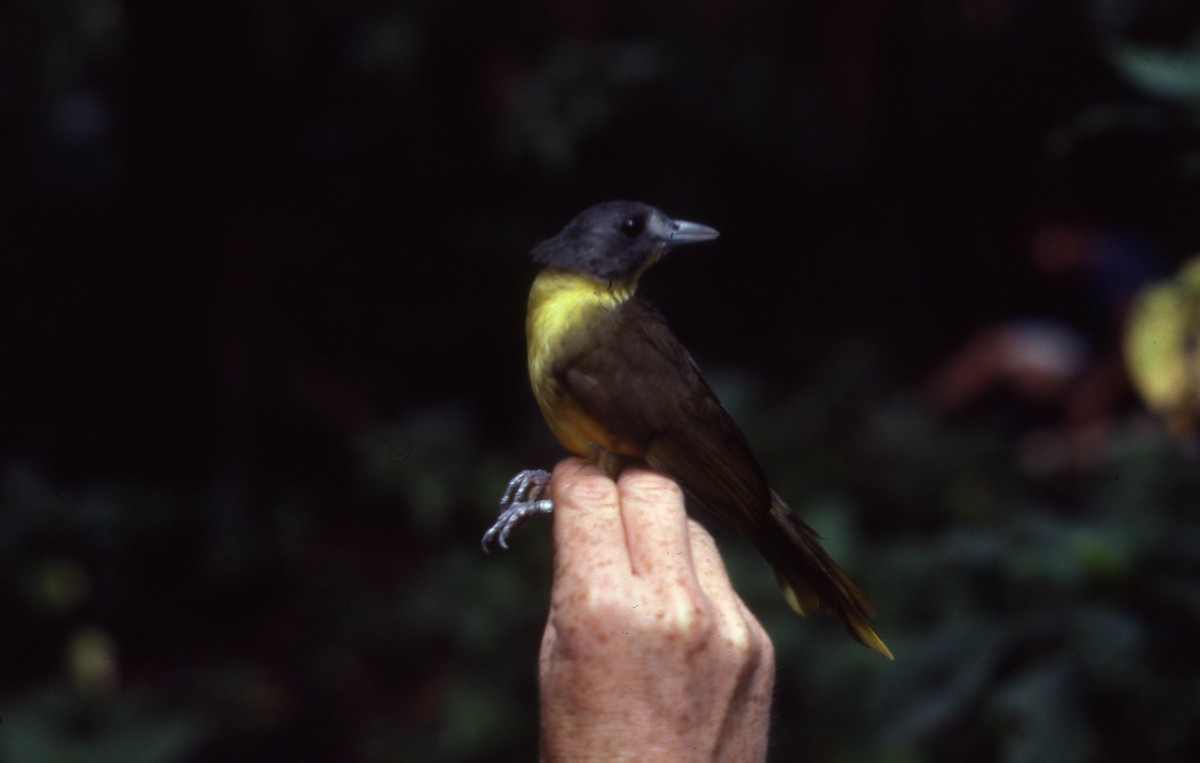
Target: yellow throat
(561,305)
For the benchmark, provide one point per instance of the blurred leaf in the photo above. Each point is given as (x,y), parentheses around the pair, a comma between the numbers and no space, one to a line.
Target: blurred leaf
(57,584)
(1040,711)
(1159,71)
(1162,347)
(44,728)
(944,673)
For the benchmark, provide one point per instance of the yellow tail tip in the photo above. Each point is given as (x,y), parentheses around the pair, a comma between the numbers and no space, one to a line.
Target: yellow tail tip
(857,626)
(799,607)
(871,639)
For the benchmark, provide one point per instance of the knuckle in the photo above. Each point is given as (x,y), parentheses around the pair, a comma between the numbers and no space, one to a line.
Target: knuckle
(650,485)
(604,603)
(688,617)
(590,490)
(747,642)
(766,655)
(738,636)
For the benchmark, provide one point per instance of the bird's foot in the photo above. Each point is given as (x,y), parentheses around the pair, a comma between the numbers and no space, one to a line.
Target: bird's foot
(522,499)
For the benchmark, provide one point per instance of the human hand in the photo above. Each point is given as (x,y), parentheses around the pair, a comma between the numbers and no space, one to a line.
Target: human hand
(648,653)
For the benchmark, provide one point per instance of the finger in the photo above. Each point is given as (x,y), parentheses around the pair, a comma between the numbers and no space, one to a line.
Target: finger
(656,528)
(710,568)
(759,640)
(588,534)
(737,626)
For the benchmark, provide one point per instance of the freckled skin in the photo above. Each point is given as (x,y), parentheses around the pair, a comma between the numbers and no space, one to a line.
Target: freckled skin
(648,654)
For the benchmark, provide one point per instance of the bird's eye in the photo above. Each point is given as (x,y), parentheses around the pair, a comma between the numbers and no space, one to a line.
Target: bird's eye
(633,226)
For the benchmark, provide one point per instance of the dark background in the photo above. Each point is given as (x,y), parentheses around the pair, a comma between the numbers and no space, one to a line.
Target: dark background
(263,280)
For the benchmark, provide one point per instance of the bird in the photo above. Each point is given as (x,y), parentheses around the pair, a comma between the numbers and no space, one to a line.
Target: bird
(616,387)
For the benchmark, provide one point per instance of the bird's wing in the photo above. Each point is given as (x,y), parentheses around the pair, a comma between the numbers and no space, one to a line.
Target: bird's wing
(642,388)
(640,385)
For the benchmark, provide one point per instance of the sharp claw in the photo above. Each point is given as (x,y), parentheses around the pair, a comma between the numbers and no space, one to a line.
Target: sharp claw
(522,499)
(487,539)
(513,489)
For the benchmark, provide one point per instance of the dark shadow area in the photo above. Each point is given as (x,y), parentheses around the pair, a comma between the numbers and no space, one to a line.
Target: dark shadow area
(264,276)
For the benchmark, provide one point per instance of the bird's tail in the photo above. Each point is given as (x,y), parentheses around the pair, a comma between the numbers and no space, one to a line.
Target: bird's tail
(812,580)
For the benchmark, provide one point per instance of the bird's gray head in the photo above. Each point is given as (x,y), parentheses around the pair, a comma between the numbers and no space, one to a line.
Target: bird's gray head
(617,240)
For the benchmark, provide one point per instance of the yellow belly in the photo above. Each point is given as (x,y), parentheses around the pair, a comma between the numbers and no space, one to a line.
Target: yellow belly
(560,303)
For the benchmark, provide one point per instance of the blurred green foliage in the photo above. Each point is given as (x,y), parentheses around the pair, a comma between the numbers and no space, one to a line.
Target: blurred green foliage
(1162,348)
(1035,614)
(272,631)
(244,483)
